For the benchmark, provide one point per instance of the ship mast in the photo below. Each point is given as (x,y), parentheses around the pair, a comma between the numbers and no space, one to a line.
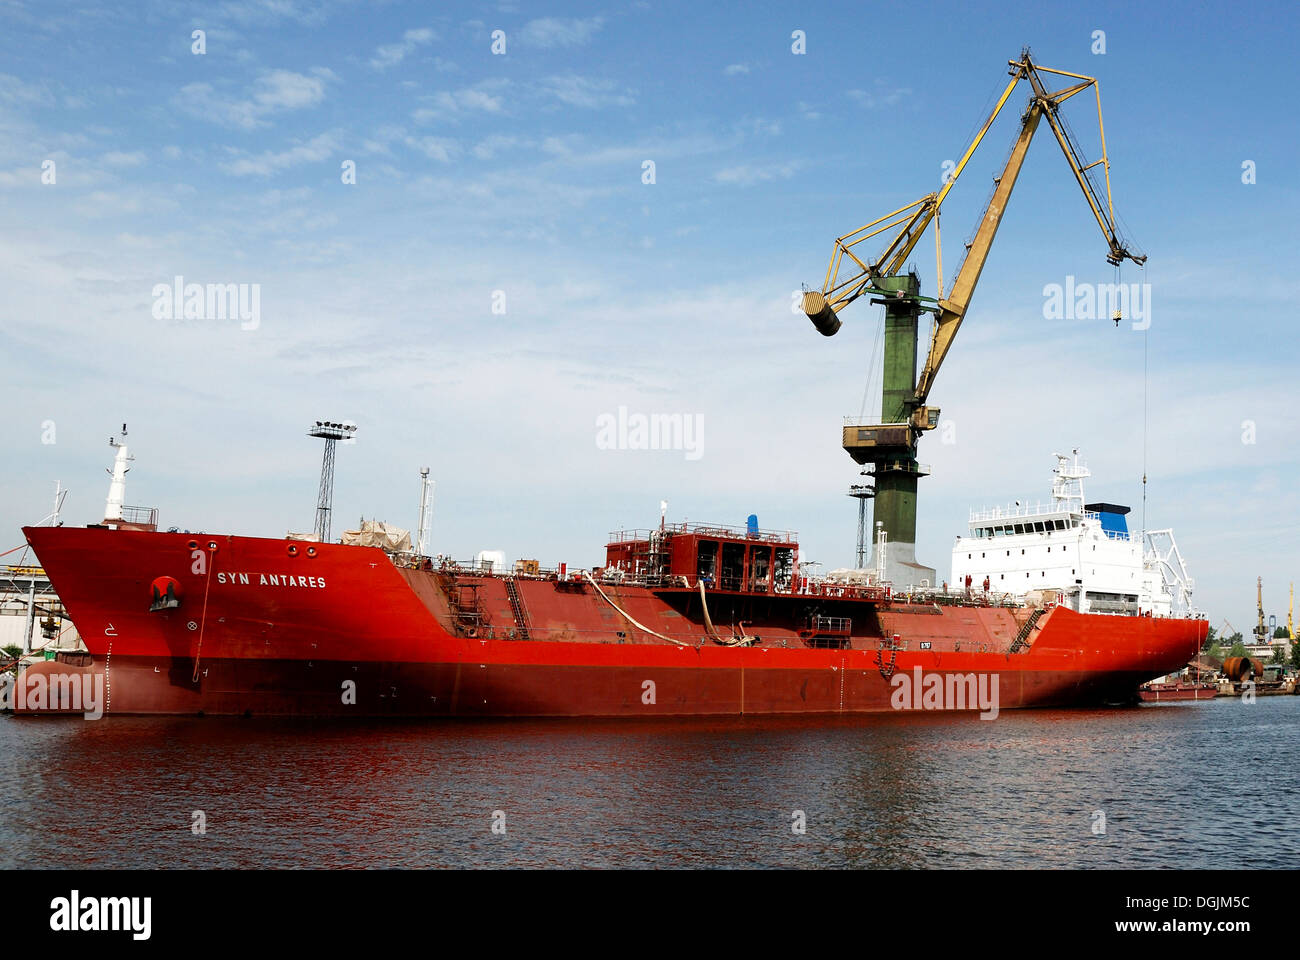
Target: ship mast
(1067,481)
(117,488)
(426,512)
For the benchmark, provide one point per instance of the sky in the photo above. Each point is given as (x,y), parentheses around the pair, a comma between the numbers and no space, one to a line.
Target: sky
(482,230)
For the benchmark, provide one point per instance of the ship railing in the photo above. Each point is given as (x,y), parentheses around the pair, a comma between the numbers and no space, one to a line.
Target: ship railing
(143,516)
(1038,509)
(897,464)
(721,530)
(820,587)
(472,568)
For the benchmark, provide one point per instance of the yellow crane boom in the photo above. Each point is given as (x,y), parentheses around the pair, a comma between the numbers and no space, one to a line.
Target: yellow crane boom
(906,225)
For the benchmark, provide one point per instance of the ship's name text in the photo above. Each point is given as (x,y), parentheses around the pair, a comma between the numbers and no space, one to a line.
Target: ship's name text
(271,580)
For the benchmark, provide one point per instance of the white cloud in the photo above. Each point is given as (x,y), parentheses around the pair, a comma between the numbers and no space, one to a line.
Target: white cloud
(118,204)
(882,96)
(555,32)
(448,104)
(435,148)
(273,92)
(22,177)
(392,54)
(586,92)
(747,175)
(261,11)
(263,165)
(734,69)
(488,148)
(14,91)
(119,159)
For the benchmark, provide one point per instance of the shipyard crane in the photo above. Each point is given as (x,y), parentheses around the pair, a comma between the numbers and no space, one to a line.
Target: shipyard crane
(888,447)
(1262,634)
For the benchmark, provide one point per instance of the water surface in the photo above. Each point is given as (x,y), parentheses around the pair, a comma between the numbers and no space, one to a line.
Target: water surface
(1179,785)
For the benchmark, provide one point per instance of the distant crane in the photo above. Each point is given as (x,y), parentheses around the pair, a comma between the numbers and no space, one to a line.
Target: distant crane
(1261,629)
(1232,631)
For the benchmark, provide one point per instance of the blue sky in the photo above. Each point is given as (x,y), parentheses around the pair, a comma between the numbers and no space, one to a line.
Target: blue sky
(522,173)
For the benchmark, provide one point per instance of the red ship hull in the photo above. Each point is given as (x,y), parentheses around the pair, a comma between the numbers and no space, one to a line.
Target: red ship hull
(270,627)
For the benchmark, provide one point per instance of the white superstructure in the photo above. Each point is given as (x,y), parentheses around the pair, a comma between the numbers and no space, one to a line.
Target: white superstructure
(1079,554)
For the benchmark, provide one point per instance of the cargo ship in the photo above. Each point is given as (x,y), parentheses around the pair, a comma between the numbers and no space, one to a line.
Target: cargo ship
(680,620)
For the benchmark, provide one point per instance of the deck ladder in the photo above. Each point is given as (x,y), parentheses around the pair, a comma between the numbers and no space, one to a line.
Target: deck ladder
(1022,638)
(517,605)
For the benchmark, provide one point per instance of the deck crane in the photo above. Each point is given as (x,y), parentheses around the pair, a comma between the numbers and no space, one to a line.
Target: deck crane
(887,449)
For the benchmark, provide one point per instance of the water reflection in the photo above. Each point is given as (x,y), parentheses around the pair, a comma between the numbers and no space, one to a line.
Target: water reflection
(1178,786)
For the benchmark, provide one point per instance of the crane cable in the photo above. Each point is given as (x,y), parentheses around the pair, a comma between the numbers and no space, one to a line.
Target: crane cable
(871,369)
(1145,407)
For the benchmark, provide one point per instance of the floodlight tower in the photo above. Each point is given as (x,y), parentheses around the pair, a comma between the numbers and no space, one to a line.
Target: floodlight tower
(862,493)
(330,433)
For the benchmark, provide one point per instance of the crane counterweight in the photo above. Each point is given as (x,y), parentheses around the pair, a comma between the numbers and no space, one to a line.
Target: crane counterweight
(820,313)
